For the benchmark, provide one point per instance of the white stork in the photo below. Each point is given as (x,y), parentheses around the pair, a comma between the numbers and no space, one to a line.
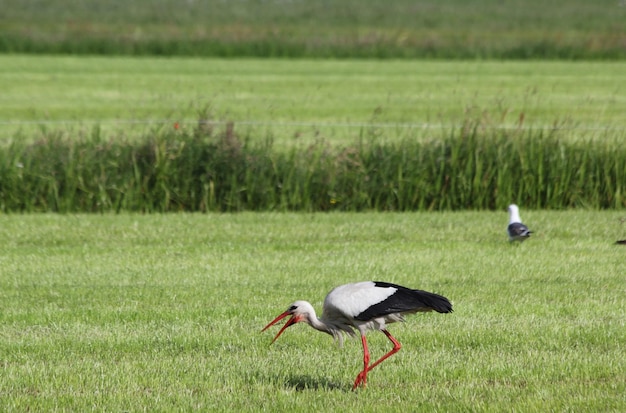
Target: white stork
(367,305)
(516,230)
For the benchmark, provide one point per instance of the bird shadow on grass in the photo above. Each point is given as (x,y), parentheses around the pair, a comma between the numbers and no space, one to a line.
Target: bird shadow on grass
(297,382)
(301,382)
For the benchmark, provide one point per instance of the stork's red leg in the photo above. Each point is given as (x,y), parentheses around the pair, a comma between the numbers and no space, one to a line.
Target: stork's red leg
(396,346)
(361,378)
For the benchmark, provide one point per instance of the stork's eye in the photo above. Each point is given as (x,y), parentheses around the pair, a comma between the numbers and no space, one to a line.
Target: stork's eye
(292,308)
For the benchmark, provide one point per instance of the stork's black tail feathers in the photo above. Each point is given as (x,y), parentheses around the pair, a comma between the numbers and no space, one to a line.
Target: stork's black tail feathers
(437,302)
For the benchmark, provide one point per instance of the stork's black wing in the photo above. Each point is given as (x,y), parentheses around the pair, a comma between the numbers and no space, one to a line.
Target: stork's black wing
(405,300)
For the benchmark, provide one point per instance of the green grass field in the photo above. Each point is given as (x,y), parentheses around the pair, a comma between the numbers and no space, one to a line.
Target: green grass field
(164,312)
(573,29)
(295,100)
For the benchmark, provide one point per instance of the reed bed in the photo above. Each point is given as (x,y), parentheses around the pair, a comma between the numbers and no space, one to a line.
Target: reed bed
(213,168)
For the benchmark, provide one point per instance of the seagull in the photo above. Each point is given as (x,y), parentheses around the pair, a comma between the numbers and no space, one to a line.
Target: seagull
(516,230)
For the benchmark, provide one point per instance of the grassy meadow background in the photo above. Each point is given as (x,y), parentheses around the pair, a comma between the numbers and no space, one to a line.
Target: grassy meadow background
(301,100)
(457,108)
(86,134)
(311,105)
(164,312)
(575,29)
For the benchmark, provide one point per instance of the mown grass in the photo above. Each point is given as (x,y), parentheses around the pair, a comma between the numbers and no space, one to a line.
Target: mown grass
(218,170)
(163,312)
(303,100)
(574,29)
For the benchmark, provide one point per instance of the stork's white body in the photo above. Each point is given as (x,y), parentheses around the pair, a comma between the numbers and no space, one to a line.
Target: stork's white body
(344,303)
(516,230)
(367,305)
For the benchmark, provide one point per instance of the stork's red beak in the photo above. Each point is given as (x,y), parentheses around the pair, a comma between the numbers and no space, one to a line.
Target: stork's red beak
(293,320)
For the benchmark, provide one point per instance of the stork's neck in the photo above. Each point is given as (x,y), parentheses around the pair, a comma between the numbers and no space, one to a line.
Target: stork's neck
(317,323)
(306,312)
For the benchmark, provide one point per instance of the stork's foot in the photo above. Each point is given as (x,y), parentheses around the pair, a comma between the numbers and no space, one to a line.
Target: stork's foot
(361,380)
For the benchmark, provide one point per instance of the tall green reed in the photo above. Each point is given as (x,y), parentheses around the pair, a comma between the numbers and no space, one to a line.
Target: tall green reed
(210,168)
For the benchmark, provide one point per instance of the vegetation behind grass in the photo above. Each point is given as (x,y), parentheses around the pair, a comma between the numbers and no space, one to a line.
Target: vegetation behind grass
(163,312)
(210,168)
(351,28)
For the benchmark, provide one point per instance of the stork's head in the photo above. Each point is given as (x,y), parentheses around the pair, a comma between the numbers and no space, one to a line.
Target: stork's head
(299,311)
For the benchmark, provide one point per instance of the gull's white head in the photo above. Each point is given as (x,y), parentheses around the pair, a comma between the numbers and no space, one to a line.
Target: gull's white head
(514,214)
